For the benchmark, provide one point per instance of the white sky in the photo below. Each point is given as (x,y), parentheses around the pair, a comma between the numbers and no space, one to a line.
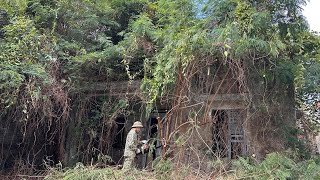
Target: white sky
(312,13)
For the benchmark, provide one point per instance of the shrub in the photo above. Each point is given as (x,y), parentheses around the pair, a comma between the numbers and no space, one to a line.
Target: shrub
(276,166)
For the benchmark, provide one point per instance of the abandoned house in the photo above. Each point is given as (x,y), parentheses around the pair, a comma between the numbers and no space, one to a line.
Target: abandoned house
(221,118)
(217,117)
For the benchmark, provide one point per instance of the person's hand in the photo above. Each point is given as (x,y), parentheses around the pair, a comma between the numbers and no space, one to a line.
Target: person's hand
(145,146)
(138,151)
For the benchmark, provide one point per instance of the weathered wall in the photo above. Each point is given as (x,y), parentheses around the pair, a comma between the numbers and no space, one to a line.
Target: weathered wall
(271,111)
(267,101)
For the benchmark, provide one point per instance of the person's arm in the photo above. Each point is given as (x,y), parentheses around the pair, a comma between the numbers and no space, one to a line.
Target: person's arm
(132,142)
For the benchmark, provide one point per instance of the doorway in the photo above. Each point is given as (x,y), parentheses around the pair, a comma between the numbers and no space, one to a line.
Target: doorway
(220,133)
(228,134)
(119,140)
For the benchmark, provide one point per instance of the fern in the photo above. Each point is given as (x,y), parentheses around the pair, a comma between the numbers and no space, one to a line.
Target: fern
(276,166)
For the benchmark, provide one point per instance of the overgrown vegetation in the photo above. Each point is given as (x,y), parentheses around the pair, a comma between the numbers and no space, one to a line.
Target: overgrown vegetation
(62,61)
(274,166)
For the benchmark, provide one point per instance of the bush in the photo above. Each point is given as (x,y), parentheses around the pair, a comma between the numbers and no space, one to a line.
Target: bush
(81,172)
(276,166)
(163,169)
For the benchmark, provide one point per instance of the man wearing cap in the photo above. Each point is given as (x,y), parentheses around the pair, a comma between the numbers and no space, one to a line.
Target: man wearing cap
(131,147)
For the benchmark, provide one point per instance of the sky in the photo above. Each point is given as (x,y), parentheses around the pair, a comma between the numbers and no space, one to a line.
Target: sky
(312,13)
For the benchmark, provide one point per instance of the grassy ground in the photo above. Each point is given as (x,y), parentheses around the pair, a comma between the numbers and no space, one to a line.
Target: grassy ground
(98,174)
(275,166)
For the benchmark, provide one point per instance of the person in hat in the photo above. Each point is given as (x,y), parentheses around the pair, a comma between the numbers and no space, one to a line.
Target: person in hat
(131,148)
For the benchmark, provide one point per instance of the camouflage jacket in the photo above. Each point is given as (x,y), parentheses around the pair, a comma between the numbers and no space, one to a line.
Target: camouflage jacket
(131,144)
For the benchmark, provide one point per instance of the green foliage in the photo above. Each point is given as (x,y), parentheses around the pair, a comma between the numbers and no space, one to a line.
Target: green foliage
(80,172)
(311,63)
(163,169)
(10,82)
(52,44)
(15,7)
(276,166)
(240,30)
(157,39)
(298,146)
(312,76)
(24,54)
(22,42)
(308,170)
(178,38)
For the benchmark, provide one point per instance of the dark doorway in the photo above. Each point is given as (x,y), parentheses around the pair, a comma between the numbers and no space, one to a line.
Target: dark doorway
(228,135)
(153,135)
(119,140)
(220,133)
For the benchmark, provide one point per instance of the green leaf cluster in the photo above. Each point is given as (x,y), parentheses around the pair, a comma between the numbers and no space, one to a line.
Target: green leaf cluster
(276,166)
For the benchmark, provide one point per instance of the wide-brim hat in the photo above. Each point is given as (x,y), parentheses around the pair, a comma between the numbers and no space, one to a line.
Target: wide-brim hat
(137,124)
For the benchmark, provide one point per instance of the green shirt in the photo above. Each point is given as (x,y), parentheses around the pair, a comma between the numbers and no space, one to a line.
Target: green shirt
(131,144)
